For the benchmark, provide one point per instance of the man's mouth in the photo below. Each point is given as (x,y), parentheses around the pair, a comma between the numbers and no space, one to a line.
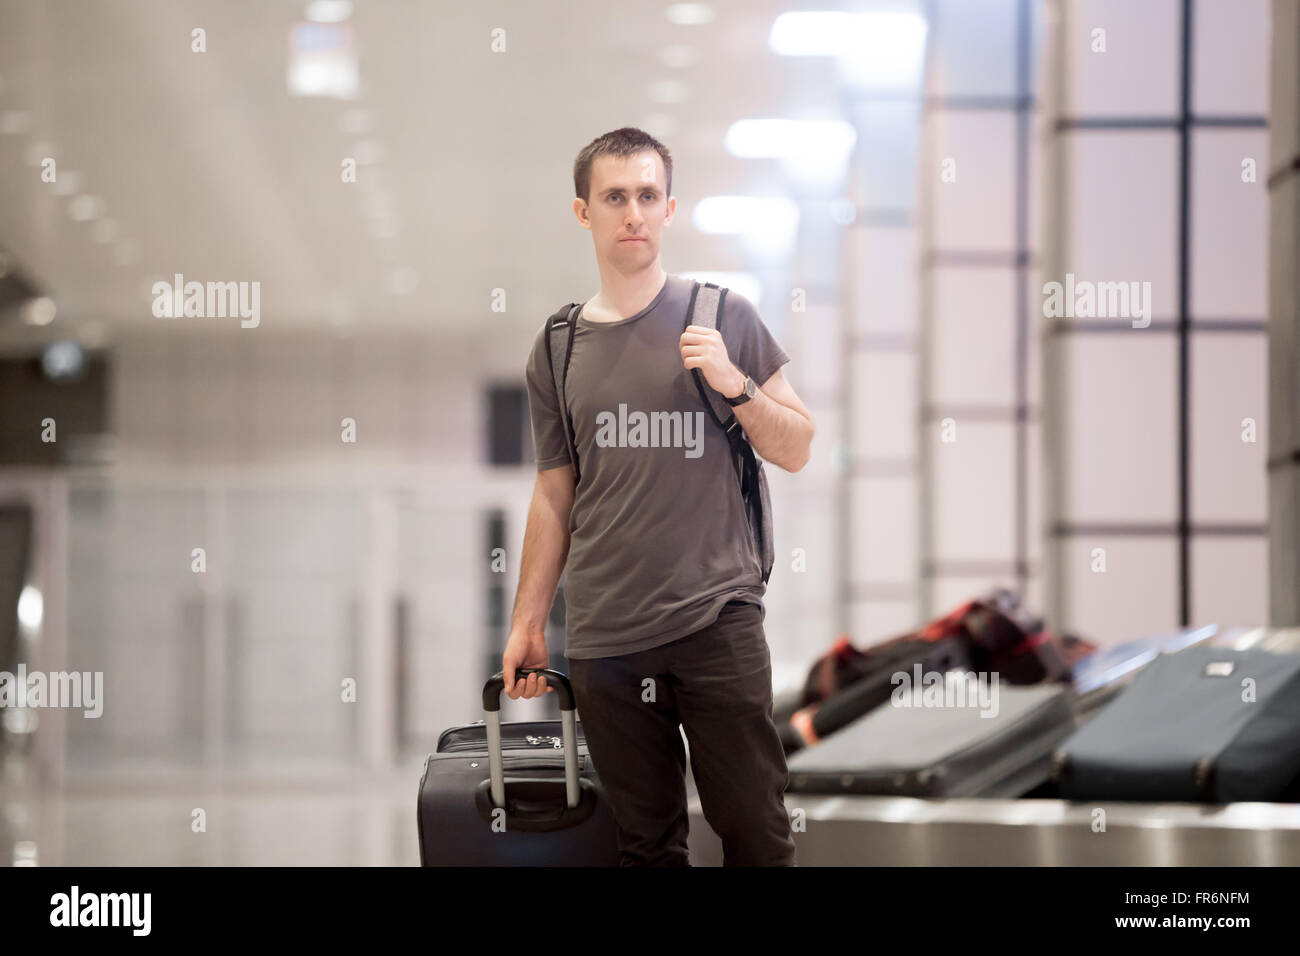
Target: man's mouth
(633,239)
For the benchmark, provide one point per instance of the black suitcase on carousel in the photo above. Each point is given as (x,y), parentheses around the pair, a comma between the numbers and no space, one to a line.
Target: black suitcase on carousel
(523,793)
(1207,725)
(942,751)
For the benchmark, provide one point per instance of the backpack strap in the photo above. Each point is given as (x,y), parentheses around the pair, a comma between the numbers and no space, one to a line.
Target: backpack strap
(559,345)
(704,309)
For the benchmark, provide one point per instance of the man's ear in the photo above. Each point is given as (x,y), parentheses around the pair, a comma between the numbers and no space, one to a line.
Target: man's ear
(580,211)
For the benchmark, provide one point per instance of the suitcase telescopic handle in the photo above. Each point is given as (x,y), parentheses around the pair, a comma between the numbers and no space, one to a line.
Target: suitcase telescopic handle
(568,720)
(497,683)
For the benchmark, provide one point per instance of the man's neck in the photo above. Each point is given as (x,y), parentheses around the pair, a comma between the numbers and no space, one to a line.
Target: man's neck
(623,296)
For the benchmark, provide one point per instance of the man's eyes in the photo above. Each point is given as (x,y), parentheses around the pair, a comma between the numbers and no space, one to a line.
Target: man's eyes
(616,196)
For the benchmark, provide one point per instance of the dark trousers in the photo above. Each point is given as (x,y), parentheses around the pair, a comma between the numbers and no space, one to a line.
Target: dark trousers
(717,684)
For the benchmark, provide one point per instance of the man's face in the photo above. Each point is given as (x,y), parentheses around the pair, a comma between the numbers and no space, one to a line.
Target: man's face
(628,208)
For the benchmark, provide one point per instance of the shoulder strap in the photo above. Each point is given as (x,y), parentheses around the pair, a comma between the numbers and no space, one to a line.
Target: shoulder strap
(704,309)
(559,349)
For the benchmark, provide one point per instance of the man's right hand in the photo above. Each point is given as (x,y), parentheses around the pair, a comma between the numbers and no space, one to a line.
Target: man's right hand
(525,648)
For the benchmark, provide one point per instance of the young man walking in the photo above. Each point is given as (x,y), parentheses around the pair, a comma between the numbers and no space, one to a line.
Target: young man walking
(663,578)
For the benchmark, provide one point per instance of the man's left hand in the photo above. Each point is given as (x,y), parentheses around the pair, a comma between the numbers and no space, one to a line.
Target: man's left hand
(704,349)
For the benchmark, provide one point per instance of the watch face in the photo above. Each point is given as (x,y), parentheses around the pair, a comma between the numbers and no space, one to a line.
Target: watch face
(750,387)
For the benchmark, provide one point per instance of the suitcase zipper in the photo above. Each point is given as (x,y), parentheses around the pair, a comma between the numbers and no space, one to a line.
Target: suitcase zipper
(541,744)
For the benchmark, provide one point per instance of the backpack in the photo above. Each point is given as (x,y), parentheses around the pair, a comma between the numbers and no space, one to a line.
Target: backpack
(704,309)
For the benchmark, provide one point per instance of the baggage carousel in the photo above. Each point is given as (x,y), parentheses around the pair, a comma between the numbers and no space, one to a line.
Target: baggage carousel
(904,831)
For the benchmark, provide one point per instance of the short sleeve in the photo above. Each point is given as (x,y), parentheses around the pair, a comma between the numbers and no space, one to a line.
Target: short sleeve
(549,444)
(749,343)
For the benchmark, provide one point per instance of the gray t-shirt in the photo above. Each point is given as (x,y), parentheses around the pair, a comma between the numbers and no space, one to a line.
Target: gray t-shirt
(659,541)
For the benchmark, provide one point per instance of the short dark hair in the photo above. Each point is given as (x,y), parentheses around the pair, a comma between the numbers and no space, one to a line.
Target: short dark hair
(627,141)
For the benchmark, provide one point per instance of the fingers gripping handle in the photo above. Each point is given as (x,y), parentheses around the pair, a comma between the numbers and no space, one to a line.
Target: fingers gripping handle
(492,710)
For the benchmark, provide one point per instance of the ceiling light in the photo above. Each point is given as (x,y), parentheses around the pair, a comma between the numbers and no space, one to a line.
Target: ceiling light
(13,121)
(30,608)
(67,183)
(689,14)
(103,231)
(768,224)
(811,151)
(365,152)
(63,360)
(126,252)
(37,153)
(663,125)
(329,11)
(38,311)
(322,60)
(354,121)
(876,49)
(85,207)
(678,56)
(843,211)
(667,91)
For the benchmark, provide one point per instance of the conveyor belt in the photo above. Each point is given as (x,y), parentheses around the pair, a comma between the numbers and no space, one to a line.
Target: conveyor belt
(903,831)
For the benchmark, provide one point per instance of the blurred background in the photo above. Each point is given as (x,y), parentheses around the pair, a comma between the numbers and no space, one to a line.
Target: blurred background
(186,509)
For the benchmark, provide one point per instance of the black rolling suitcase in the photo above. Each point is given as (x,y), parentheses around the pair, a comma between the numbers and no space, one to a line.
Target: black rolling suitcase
(523,793)
(1098,678)
(1186,728)
(942,751)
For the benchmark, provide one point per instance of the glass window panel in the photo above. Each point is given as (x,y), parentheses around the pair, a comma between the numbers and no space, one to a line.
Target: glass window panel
(134,614)
(1122,220)
(972,345)
(878,620)
(884,404)
(1230,54)
(973,491)
(886,152)
(442,567)
(1228,252)
(1139,72)
(973,48)
(883,279)
(884,522)
(1230,581)
(1228,475)
(1136,594)
(296,558)
(1119,425)
(951,591)
(976,210)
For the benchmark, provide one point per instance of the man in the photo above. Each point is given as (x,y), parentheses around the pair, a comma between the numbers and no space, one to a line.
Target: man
(664,586)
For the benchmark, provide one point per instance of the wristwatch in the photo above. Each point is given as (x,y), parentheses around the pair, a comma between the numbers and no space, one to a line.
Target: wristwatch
(745,395)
